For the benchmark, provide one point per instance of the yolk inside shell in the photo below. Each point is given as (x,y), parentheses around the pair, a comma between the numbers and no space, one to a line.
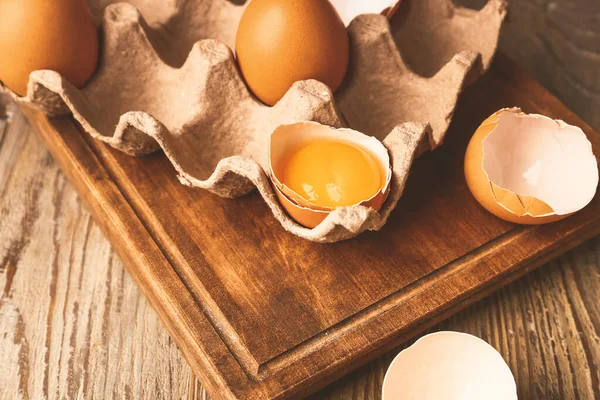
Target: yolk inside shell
(332,174)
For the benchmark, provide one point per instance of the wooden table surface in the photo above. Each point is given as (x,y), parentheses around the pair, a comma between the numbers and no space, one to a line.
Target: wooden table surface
(74,325)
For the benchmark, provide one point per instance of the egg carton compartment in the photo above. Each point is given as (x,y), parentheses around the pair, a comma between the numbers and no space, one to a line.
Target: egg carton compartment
(168,80)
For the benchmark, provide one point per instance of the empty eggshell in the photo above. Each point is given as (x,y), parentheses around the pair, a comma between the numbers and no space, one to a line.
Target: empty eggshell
(349,10)
(530,169)
(449,366)
(286,138)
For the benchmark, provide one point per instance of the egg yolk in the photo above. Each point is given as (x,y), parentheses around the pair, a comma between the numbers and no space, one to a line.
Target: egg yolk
(332,174)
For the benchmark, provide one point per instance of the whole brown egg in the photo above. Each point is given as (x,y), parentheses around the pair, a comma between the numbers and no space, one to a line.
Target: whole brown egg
(280,42)
(40,34)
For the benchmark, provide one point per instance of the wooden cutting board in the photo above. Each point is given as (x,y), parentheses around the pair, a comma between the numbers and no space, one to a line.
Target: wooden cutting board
(261,314)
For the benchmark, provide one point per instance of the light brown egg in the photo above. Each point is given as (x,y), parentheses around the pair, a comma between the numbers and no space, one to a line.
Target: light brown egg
(530,169)
(280,42)
(59,35)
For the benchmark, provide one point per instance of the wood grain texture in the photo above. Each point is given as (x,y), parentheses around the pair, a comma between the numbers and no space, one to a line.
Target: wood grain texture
(72,322)
(558,41)
(546,325)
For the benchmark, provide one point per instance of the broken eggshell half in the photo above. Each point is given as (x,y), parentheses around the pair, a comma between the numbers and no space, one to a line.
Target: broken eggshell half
(349,10)
(287,138)
(529,168)
(451,366)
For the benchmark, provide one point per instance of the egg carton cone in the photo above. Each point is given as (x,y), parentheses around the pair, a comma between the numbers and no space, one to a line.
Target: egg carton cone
(168,80)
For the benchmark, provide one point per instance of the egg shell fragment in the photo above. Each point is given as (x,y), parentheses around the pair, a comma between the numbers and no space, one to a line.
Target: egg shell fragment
(287,138)
(450,366)
(349,10)
(530,169)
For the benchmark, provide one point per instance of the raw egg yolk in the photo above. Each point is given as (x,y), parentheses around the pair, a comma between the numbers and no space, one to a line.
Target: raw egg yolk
(332,174)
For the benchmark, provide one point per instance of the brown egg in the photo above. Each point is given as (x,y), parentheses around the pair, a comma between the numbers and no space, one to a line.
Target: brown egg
(280,42)
(39,34)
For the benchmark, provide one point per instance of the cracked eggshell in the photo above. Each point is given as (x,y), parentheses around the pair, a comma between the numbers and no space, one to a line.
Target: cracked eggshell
(287,138)
(350,9)
(530,169)
(451,366)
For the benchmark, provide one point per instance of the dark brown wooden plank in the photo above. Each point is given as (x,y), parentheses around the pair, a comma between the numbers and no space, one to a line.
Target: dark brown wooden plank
(559,43)
(269,315)
(545,326)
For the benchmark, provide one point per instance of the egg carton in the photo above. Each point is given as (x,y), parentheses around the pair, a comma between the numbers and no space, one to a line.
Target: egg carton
(157,87)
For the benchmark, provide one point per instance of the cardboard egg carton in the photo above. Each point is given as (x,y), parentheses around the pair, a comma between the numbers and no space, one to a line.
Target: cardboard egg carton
(159,87)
